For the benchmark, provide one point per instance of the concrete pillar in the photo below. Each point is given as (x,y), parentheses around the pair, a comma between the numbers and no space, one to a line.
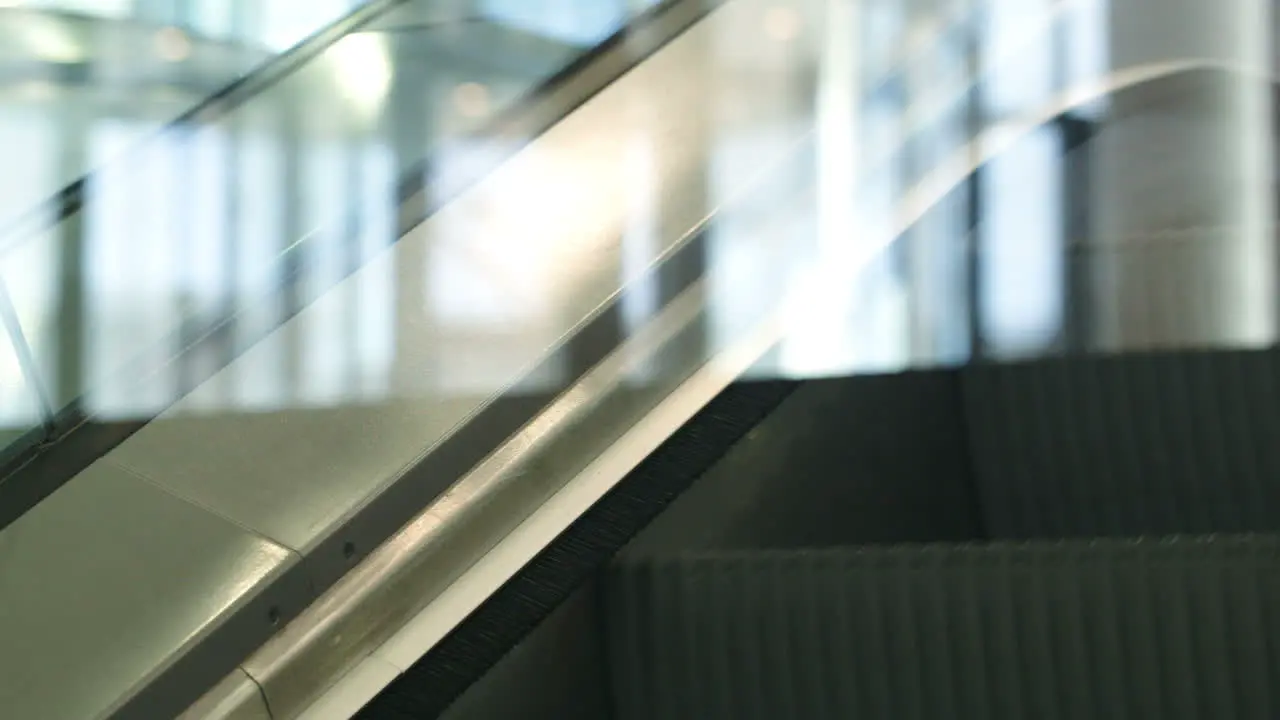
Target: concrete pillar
(1181,196)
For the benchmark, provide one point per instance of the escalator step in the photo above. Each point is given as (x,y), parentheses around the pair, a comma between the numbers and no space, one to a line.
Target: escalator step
(1155,444)
(1182,628)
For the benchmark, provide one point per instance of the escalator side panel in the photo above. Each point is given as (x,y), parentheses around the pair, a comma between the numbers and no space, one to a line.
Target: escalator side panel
(559,672)
(864,459)
(508,616)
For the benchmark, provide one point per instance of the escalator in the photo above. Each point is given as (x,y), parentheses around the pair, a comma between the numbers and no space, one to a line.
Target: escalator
(1088,534)
(985,435)
(1034,540)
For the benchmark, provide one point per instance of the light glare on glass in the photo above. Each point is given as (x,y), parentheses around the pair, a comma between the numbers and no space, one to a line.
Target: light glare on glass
(50,41)
(172,44)
(362,70)
(471,99)
(782,24)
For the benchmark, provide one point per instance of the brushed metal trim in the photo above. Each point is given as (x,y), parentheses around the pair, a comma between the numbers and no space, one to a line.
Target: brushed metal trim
(237,697)
(513,551)
(373,602)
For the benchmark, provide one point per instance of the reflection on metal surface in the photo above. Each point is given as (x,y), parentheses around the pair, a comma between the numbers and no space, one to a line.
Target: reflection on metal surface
(89,592)
(370,605)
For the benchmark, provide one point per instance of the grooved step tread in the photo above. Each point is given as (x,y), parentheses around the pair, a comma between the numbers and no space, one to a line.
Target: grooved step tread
(1056,630)
(1150,444)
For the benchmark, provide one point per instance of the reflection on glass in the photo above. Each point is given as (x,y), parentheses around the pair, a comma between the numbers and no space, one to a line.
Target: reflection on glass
(276,24)
(574,21)
(362,69)
(20,414)
(782,23)
(172,45)
(254,218)
(285,24)
(100,8)
(1087,48)
(1021,247)
(135,269)
(373,335)
(29,275)
(47,40)
(29,269)
(258,220)
(257,216)
(471,100)
(640,241)
(214,18)
(1020,61)
(195,227)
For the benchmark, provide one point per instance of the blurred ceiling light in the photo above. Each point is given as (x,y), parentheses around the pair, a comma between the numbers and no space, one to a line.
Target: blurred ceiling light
(924,34)
(49,40)
(172,45)
(362,69)
(782,23)
(471,99)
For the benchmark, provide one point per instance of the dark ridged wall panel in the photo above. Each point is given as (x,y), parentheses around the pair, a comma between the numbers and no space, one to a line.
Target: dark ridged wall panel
(1155,444)
(558,672)
(1177,630)
(868,459)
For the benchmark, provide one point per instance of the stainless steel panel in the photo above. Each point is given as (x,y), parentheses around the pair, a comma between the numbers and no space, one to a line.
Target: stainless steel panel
(291,473)
(107,583)
(415,566)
